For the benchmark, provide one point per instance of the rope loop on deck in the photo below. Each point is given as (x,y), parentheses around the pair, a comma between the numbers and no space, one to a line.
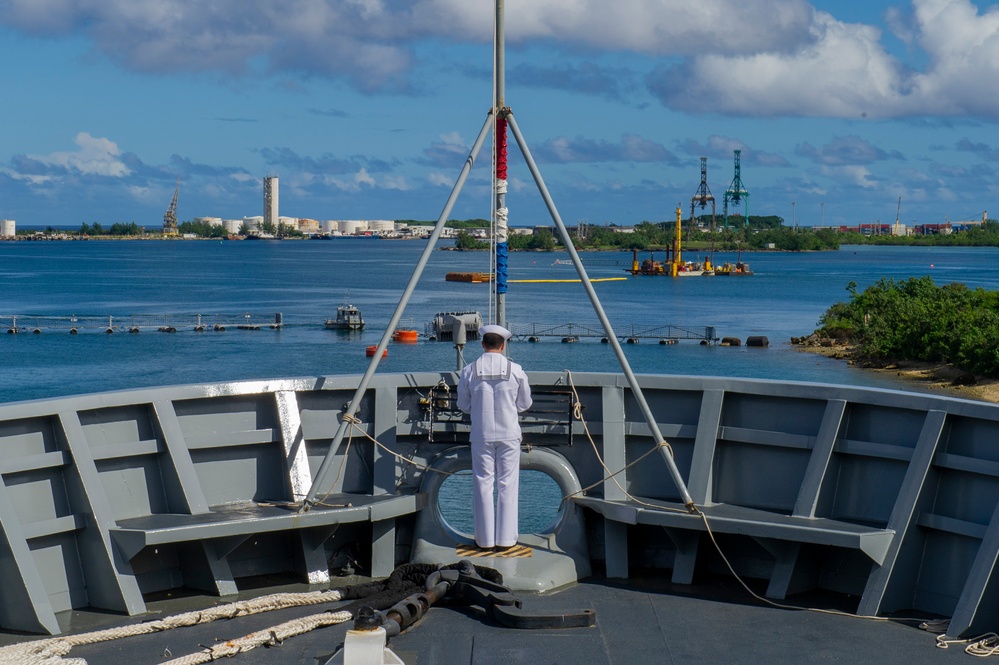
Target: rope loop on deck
(51,651)
(272,636)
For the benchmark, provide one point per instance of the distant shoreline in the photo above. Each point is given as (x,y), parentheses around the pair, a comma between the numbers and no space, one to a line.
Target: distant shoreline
(938,377)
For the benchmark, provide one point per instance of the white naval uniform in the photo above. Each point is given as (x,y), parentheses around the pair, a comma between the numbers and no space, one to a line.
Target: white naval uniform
(493,390)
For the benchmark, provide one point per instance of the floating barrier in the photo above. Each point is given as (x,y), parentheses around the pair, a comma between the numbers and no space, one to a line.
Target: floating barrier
(758,341)
(76,324)
(730,341)
(472,277)
(370,352)
(566,281)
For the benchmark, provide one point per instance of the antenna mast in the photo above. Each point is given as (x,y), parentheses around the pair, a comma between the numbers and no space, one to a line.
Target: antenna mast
(500,223)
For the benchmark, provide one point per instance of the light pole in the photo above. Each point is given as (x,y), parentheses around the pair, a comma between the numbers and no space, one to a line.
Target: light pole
(822,214)
(794,224)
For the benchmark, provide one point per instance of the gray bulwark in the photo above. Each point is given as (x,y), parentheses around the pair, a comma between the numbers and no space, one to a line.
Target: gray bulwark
(883,495)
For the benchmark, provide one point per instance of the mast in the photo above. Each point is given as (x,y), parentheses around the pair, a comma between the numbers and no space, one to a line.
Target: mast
(499,118)
(501,228)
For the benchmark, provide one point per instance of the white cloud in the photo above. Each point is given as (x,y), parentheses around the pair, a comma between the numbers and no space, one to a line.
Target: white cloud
(360,180)
(745,57)
(858,176)
(647,26)
(94,156)
(845,71)
(438,179)
(370,42)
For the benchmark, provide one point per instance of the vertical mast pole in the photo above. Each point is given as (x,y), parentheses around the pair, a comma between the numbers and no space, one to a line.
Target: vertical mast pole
(501,231)
(636,390)
(355,402)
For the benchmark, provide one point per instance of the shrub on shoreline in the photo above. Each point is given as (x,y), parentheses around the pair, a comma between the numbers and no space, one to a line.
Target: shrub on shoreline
(915,319)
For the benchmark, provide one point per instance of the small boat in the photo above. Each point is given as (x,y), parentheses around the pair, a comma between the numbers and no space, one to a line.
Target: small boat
(348,317)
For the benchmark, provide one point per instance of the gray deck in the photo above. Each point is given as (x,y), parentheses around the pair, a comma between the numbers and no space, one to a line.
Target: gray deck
(888,497)
(659,623)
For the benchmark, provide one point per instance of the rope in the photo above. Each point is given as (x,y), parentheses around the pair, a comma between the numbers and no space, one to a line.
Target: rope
(982,646)
(989,643)
(267,637)
(578,415)
(355,422)
(50,651)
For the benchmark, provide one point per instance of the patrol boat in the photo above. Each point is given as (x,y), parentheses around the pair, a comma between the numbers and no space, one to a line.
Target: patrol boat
(694,513)
(348,317)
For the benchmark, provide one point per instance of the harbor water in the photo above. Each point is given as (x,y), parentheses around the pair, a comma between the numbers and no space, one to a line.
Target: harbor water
(160,283)
(154,284)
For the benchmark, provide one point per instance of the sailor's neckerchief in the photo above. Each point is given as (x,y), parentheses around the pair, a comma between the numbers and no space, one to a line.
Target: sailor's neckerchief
(484,374)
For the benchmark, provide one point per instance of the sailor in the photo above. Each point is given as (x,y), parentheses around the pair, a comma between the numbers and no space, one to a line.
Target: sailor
(493,390)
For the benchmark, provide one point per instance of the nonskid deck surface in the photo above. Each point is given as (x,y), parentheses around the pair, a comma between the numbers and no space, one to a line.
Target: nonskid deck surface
(652,622)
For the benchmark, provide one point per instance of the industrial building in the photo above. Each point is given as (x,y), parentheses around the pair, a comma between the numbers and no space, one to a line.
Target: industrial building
(271,200)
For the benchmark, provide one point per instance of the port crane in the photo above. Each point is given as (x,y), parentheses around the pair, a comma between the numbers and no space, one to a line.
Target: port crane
(736,192)
(170,216)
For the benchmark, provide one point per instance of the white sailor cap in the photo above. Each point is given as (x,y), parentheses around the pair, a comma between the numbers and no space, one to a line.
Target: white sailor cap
(493,328)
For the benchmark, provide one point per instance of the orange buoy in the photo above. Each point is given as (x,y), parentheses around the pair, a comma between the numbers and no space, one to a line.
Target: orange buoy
(371,351)
(405,336)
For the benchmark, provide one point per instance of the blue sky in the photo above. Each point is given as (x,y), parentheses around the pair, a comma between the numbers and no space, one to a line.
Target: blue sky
(366,109)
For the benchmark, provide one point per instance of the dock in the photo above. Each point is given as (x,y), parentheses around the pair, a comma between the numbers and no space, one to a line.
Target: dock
(628,333)
(13,324)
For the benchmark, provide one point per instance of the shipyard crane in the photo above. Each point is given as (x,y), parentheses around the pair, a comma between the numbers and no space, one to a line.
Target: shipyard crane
(703,195)
(170,216)
(736,192)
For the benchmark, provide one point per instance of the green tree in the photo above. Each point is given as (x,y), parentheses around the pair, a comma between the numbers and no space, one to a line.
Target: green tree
(467,241)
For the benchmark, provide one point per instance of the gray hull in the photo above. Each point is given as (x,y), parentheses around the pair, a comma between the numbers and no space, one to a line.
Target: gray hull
(889,497)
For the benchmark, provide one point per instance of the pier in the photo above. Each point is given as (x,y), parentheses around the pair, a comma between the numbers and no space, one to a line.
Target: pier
(628,333)
(436,330)
(13,324)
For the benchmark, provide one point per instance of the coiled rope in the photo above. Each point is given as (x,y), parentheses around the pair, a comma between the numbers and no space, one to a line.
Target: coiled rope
(51,651)
(266,637)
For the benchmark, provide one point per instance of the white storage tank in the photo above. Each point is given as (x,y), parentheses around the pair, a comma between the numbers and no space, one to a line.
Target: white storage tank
(329,226)
(232,225)
(254,223)
(381,226)
(7,228)
(210,221)
(350,227)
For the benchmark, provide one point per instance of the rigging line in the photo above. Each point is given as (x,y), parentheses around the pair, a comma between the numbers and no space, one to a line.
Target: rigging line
(985,643)
(356,422)
(817,610)
(578,413)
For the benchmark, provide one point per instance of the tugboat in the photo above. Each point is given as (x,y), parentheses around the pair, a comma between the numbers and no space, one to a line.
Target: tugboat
(738,269)
(348,317)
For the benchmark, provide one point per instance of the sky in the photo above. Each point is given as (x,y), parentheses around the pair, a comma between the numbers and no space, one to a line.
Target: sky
(846,112)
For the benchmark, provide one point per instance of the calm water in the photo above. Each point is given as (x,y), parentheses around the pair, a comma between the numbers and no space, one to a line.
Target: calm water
(304,280)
